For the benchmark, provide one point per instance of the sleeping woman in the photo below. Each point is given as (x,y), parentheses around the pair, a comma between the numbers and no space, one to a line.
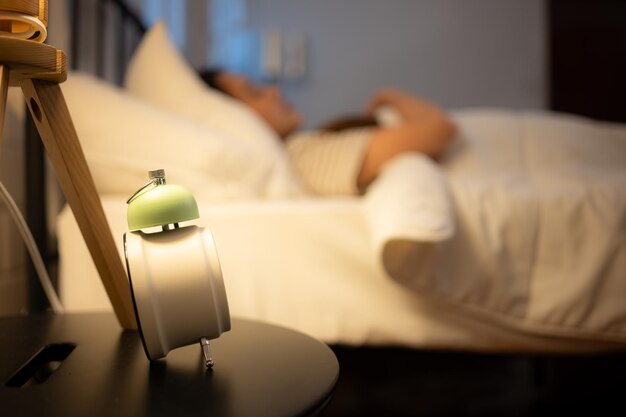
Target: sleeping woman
(346,155)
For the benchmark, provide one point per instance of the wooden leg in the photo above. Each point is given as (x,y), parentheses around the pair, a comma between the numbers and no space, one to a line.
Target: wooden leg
(4,87)
(47,105)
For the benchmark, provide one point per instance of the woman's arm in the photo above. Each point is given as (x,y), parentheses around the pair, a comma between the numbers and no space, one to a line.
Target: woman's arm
(424,129)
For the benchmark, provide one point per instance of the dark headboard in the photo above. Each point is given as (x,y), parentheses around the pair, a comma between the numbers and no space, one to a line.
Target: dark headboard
(104,36)
(587,61)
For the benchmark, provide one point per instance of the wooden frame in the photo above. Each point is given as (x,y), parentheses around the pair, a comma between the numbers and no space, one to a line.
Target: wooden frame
(38,69)
(47,106)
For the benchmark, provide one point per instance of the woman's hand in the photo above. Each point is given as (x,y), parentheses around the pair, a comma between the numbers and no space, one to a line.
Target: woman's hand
(424,128)
(411,109)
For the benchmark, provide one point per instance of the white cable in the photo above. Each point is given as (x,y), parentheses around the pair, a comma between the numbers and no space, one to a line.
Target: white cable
(34,25)
(44,278)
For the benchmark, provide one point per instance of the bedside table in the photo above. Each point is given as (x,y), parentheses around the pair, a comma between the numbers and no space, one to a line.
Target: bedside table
(260,370)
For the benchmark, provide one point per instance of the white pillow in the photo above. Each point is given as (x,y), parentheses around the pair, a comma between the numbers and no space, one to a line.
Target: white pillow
(123,137)
(159,73)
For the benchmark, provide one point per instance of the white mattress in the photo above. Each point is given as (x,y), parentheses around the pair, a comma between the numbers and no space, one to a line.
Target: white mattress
(532,255)
(280,266)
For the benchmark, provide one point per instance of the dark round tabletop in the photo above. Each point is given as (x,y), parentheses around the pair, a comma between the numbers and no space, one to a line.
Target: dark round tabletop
(260,370)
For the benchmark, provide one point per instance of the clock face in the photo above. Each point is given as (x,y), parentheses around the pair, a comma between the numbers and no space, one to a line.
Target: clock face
(177,288)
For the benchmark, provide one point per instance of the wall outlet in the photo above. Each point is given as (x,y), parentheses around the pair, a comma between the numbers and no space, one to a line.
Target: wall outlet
(13,291)
(12,249)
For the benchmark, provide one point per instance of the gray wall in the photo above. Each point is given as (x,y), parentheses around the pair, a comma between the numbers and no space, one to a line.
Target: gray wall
(459,53)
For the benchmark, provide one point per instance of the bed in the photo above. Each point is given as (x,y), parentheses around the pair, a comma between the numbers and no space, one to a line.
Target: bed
(515,242)
(519,228)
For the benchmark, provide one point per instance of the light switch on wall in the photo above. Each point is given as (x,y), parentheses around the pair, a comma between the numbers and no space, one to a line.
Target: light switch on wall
(283,55)
(295,47)
(272,54)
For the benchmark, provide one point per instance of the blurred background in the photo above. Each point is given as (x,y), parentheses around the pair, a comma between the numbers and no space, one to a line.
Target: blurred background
(329,57)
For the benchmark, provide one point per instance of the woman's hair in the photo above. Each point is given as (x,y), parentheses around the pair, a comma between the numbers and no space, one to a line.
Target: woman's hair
(349,122)
(209,76)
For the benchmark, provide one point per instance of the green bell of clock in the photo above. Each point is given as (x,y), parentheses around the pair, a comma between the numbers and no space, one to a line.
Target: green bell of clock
(160,204)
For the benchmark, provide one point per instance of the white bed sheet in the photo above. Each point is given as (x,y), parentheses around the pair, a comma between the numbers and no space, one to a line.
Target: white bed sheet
(280,266)
(540,240)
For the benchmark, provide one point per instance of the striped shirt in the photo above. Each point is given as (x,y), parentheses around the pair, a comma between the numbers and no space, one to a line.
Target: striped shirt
(328,163)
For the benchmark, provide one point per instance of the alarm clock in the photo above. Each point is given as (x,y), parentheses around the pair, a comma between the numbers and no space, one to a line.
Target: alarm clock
(174,271)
